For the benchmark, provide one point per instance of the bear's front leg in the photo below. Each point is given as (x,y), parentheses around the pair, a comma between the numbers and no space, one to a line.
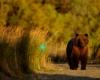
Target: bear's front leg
(75,62)
(83,63)
(83,58)
(75,58)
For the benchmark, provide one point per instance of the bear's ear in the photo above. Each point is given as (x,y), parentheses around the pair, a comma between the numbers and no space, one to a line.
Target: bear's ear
(86,34)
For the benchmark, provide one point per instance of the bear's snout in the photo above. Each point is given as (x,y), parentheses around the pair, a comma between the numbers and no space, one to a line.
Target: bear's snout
(80,43)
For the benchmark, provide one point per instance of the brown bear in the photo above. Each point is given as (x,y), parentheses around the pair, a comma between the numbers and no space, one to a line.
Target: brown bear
(77,51)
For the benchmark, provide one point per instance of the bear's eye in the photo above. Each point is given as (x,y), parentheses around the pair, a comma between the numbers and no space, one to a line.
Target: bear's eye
(86,35)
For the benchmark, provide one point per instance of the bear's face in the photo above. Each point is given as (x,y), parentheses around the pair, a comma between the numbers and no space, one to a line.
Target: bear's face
(81,40)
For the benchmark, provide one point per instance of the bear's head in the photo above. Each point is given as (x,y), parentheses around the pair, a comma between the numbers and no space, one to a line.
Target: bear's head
(81,40)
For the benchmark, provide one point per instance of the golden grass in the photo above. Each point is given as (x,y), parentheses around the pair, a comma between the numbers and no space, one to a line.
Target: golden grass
(11,34)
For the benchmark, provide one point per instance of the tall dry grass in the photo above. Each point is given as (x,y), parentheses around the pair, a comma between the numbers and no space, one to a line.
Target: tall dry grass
(13,51)
(11,34)
(19,48)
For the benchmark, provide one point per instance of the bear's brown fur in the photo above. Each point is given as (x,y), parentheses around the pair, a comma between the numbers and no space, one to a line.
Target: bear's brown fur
(77,50)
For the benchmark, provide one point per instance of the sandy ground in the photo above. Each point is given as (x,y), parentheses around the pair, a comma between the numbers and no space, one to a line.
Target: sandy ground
(63,73)
(92,73)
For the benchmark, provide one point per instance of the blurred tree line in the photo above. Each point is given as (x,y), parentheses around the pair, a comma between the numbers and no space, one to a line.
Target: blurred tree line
(60,17)
(53,22)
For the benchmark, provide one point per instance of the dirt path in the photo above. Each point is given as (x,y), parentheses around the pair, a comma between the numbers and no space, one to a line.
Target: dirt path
(92,73)
(63,73)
